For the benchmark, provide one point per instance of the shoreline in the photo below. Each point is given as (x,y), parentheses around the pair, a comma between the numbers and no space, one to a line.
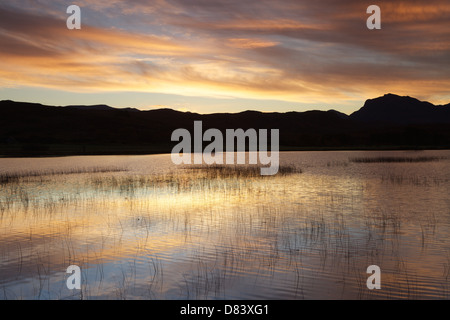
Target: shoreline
(53,151)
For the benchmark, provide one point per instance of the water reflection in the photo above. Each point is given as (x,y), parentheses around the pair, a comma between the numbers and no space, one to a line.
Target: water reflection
(154,231)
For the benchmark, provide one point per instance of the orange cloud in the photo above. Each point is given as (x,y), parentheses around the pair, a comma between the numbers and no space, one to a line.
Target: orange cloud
(250,43)
(292,51)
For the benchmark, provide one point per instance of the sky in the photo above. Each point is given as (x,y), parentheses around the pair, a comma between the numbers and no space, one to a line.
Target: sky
(211,56)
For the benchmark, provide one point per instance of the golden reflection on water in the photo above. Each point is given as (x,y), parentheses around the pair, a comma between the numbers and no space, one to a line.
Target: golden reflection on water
(187,234)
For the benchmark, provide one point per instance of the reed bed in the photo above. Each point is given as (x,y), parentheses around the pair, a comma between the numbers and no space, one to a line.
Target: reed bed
(19,189)
(239,171)
(395,159)
(11,177)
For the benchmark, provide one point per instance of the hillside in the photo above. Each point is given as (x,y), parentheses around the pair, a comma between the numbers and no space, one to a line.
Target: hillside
(388,122)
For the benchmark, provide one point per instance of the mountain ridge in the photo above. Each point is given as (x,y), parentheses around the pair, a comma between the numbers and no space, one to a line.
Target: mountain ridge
(387,100)
(390,121)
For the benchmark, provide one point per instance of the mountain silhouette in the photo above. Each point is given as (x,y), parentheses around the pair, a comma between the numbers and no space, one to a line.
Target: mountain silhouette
(388,122)
(394,109)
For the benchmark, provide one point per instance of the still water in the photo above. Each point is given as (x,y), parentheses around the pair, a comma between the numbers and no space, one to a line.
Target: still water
(140,227)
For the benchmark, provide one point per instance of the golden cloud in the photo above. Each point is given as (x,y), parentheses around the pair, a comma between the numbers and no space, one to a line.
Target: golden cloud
(291,51)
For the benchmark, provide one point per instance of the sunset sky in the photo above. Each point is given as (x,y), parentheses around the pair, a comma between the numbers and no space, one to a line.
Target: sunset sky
(224,56)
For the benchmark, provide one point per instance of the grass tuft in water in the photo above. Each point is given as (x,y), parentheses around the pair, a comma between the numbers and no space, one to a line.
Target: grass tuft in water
(395,159)
(11,177)
(239,171)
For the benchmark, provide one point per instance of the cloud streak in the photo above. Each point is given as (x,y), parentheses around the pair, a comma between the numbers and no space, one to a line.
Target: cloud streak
(280,50)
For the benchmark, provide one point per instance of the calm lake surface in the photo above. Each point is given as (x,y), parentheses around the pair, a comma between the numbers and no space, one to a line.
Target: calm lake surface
(140,227)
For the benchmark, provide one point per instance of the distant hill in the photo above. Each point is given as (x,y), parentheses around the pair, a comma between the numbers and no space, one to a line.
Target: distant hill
(94,107)
(394,109)
(388,122)
(99,107)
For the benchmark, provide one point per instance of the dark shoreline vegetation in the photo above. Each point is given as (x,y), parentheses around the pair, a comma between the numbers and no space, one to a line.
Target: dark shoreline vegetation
(390,122)
(47,151)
